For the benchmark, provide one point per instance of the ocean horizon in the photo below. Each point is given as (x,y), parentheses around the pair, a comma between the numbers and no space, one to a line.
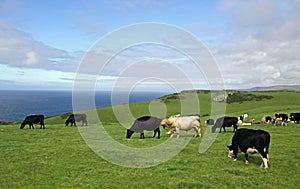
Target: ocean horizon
(17,104)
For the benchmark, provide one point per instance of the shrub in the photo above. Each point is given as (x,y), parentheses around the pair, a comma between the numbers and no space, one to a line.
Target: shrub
(241,97)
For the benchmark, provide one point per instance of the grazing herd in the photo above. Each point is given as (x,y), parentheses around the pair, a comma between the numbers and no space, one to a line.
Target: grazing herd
(35,119)
(248,141)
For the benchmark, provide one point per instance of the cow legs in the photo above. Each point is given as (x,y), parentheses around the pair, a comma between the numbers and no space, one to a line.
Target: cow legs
(142,136)
(223,129)
(176,131)
(156,131)
(234,128)
(84,122)
(285,123)
(247,158)
(197,132)
(235,152)
(265,157)
(42,125)
(264,163)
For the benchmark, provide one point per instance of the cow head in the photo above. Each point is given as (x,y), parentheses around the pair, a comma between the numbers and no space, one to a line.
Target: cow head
(22,125)
(167,122)
(129,133)
(231,152)
(214,128)
(163,123)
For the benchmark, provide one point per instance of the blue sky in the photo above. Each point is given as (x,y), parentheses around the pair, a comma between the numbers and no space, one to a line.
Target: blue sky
(42,43)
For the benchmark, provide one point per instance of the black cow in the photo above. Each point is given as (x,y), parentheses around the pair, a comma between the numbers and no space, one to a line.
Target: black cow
(33,119)
(295,117)
(148,123)
(225,121)
(73,118)
(280,117)
(250,141)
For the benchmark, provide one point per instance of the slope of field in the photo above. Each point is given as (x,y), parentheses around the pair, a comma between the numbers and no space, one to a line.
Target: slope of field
(58,157)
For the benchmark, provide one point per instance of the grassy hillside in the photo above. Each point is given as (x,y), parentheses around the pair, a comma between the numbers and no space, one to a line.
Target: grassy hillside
(58,157)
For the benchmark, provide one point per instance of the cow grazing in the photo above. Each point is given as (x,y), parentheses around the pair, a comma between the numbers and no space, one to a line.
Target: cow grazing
(73,118)
(295,117)
(210,122)
(33,119)
(280,117)
(148,123)
(177,123)
(250,141)
(266,119)
(225,121)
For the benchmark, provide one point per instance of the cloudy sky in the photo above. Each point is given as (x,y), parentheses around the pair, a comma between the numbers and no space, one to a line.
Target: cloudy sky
(43,43)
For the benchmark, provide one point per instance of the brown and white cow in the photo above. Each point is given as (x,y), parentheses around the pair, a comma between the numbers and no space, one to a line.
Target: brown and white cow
(177,123)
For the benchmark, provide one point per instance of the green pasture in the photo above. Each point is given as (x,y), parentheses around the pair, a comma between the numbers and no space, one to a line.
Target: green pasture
(58,157)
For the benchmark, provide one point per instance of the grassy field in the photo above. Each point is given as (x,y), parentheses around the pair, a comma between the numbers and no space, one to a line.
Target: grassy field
(58,157)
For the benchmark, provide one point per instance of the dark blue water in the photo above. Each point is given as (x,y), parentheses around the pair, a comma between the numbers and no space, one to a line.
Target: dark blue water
(16,105)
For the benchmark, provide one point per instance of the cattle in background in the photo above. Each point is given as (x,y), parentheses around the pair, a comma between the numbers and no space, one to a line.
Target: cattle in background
(266,119)
(225,121)
(210,122)
(148,123)
(33,119)
(252,121)
(243,117)
(295,117)
(73,118)
(250,141)
(280,117)
(177,123)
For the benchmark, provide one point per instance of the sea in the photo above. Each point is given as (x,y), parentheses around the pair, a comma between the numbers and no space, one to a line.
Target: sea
(16,105)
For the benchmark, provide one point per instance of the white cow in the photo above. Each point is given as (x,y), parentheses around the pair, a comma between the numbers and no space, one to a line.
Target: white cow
(177,123)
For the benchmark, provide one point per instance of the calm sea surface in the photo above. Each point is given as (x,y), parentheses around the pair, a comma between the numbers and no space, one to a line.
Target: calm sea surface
(16,105)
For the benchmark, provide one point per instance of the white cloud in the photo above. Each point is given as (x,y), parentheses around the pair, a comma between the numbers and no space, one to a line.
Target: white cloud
(264,49)
(18,49)
(31,58)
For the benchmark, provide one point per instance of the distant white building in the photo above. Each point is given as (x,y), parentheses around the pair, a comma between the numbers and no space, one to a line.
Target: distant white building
(220,97)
